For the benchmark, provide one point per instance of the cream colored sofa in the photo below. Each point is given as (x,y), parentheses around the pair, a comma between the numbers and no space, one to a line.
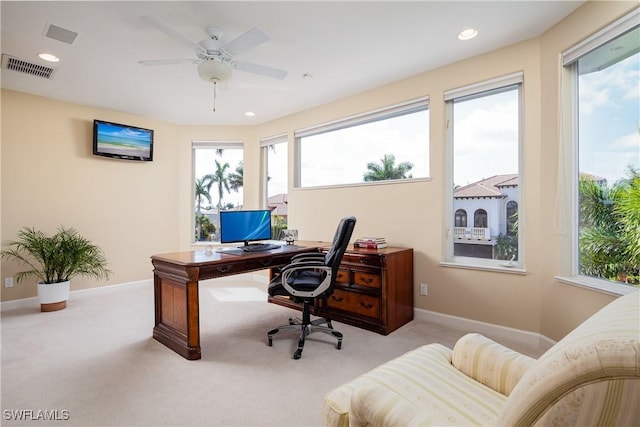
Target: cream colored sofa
(589,378)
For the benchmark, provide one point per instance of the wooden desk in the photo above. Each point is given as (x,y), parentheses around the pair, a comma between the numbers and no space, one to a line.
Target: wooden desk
(175,286)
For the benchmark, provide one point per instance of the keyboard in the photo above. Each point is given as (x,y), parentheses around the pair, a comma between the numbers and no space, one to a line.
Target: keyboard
(259,247)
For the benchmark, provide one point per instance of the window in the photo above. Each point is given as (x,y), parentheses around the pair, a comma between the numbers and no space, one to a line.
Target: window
(480,218)
(605,76)
(461,218)
(218,182)
(383,145)
(275,179)
(484,138)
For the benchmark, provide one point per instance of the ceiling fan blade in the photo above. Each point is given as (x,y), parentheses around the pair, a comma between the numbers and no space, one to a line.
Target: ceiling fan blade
(248,40)
(165,28)
(263,70)
(169,61)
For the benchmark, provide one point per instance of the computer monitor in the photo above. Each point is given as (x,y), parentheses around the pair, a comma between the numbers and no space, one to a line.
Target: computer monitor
(245,226)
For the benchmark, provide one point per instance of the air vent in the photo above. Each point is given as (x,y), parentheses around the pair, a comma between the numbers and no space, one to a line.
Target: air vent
(22,66)
(60,34)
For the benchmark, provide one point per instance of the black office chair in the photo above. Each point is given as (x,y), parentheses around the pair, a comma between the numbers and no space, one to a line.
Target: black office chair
(308,277)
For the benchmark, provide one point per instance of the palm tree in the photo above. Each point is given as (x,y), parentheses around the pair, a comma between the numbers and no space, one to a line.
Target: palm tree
(609,241)
(220,177)
(236,179)
(202,191)
(386,169)
(627,208)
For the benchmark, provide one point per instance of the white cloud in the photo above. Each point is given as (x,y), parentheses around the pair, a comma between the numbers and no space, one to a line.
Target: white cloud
(606,87)
(629,142)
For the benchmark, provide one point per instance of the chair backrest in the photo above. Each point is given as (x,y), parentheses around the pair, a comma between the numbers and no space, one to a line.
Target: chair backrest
(339,244)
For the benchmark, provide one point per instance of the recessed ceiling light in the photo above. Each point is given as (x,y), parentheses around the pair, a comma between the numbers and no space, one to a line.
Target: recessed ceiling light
(249,114)
(307,76)
(467,34)
(48,57)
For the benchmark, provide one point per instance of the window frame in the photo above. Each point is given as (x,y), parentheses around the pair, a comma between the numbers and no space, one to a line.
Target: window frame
(477,90)
(570,145)
(265,143)
(212,145)
(396,110)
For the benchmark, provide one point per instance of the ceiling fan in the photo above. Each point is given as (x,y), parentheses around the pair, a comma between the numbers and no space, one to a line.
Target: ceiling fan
(215,59)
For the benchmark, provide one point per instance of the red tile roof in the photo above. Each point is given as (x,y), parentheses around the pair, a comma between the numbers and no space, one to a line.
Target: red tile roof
(488,187)
(278,204)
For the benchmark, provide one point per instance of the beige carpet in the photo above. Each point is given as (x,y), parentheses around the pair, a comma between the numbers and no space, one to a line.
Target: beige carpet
(96,364)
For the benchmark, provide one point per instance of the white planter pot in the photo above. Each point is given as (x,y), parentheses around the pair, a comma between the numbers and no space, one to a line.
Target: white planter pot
(53,296)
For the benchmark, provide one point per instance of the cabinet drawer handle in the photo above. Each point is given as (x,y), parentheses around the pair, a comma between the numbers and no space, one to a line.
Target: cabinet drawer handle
(224,268)
(367,306)
(367,280)
(337,299)
(265,262)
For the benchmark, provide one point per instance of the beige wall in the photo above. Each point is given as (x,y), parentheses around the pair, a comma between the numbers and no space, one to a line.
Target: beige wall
(558,317)
(46,144)
(51,178)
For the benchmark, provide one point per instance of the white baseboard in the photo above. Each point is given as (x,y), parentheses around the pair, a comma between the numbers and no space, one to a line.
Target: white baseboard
(496,332)
(33,301)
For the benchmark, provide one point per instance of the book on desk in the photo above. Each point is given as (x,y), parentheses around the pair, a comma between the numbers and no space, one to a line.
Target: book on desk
(370,243)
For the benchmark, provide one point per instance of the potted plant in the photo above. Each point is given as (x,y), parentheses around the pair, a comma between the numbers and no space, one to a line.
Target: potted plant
(54,261)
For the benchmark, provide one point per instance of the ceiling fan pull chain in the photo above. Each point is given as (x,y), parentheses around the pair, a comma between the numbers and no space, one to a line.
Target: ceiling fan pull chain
(214,96)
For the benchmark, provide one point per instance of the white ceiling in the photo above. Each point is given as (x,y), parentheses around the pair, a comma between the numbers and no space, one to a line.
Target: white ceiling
(347,46)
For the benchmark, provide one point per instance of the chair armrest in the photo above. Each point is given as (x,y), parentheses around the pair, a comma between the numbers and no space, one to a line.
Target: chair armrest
(297,259)
(490,363)
(303,265)
(308,256)
(315,266)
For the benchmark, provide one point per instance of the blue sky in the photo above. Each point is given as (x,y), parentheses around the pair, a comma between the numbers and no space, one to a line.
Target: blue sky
(609,119)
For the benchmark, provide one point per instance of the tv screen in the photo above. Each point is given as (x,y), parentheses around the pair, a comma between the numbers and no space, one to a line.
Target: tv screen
(122,141)
(245,226)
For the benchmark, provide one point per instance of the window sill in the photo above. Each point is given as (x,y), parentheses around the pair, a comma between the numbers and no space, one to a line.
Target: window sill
(365,184)
(598,285)
(492,268)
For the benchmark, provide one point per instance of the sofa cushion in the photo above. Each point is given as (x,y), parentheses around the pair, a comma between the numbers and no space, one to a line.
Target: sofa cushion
(490,363)
(420,387)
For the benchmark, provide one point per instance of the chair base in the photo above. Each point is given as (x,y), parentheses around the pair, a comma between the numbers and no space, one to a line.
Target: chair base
(306,328)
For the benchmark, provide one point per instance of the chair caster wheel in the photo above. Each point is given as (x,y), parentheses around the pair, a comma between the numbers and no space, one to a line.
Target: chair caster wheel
(298,354)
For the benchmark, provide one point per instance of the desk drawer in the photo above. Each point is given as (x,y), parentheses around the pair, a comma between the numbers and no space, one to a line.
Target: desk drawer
(353,302)
(342,276)
(366,279)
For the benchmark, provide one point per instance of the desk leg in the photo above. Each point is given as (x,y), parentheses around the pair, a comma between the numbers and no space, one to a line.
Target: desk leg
(177,313)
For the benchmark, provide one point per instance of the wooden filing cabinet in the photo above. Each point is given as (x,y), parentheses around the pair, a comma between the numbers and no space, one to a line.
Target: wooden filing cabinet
(374,290)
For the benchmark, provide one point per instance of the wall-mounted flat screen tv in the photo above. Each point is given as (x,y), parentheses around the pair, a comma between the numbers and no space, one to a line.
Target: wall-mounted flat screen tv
(122,141)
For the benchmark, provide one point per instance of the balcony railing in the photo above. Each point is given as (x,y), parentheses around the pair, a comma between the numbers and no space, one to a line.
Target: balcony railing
(471,233)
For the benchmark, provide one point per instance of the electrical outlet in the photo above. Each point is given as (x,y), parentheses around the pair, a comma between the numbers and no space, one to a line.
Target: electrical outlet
(423,289)
(8,282)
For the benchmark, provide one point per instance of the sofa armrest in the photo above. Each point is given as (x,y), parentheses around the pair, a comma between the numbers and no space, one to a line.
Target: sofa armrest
(490,363)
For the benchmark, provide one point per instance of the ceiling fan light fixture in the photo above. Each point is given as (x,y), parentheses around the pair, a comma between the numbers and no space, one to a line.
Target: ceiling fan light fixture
(212,70)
